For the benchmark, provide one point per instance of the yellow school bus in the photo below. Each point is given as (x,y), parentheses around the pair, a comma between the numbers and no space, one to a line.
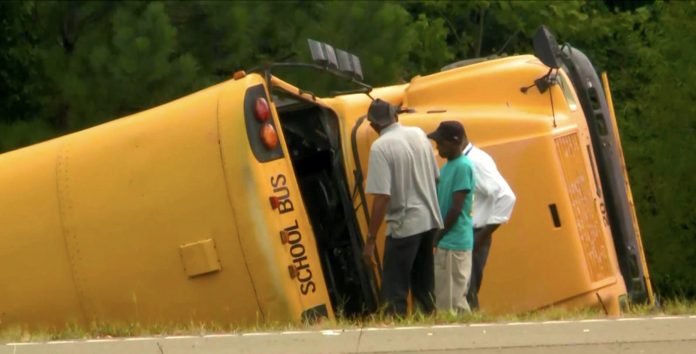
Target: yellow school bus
(243,203)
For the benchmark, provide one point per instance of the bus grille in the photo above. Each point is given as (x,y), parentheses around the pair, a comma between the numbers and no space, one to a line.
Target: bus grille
(587,218)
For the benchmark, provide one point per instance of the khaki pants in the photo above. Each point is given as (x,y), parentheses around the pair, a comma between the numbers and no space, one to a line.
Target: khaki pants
(452,273)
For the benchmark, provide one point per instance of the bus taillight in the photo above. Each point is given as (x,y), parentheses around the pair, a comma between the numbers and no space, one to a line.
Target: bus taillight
(269,137)
(261,110)
(262,133)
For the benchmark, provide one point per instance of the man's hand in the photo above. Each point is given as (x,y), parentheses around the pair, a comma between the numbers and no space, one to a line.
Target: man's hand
(369,252)
(438,236)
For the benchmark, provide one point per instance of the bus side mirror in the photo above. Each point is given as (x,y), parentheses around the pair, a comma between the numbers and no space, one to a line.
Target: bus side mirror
(323,54)
(546,48)
(349,64)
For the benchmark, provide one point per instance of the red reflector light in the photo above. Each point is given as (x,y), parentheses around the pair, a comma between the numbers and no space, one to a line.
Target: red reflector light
(269,137)
(293,271)
(275,202)
(283,236)
(261,109)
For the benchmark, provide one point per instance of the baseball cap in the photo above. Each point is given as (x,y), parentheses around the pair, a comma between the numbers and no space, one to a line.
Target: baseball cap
(450,130)
(381,112)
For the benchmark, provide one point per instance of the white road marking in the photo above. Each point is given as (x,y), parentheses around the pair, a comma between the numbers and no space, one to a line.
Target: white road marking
(256,334)
(23,343)
(403,328)
(62,342)
(594,320)
(375,329)
(220,335)
(449,326)
(101,340)
(298,332)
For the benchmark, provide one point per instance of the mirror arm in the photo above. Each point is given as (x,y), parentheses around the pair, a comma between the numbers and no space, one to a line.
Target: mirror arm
(542,83)
(316,67)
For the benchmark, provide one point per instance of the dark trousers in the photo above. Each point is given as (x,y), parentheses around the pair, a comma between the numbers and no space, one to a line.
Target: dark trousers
(482,245)
(408,263)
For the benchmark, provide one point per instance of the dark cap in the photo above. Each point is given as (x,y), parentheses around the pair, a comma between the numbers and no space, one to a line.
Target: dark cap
(450,130)
(381,112)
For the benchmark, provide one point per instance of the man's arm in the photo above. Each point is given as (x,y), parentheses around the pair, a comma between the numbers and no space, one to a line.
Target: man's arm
(379,210)
(490,182)
(497,188)
(458,199)
(503,205)
(482,234)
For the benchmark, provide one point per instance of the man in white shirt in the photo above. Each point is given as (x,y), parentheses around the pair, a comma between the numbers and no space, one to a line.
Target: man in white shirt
(493,204)
(401,176)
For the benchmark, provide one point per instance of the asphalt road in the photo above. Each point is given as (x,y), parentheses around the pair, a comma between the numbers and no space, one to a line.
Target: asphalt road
(674,335)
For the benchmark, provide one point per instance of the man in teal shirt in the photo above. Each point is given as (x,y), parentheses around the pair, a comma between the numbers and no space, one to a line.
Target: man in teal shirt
(454,243)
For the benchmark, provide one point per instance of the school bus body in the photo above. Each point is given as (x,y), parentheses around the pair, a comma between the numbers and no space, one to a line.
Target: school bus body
(178,213)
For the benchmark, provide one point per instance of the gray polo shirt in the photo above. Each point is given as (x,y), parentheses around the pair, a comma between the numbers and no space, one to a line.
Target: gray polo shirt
(402,165)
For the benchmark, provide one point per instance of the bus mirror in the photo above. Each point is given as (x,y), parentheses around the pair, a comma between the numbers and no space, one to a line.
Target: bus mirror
(357,68)
(323,54)
(349,64)
(546,48)
(344,63)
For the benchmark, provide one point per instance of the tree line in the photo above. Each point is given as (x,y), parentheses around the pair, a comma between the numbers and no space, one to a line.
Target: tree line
(69,65)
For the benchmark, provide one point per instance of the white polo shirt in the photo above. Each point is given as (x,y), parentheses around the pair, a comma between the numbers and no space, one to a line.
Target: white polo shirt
(493,197)
(402,165)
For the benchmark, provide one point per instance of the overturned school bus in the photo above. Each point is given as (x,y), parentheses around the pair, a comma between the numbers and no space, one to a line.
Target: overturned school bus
(244,202)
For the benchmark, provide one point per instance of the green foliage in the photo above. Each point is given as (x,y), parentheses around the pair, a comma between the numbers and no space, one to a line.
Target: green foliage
(430,51)
(68,65)
(114,61)
(666,125)
(18,62)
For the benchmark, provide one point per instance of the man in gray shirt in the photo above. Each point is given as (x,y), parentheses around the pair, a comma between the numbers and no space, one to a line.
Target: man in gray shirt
(402,175)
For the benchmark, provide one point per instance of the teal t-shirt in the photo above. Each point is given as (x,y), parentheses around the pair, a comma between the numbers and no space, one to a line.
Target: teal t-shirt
(457,175)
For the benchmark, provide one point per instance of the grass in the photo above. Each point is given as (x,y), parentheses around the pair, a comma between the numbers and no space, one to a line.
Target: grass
(111,330)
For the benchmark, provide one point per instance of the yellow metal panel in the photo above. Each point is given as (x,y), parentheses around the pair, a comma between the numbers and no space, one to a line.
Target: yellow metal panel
(33,257)
(135,190)
(116,202)
(531,258)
